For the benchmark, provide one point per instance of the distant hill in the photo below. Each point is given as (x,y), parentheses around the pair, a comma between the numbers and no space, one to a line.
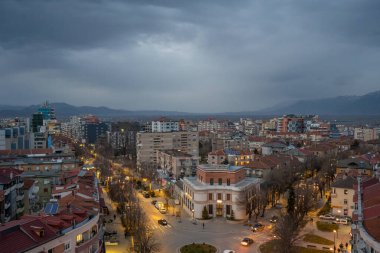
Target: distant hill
(368,104)
(365,105)
(64,110)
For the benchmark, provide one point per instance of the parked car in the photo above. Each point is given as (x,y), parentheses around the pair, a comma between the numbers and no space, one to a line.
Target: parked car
(154,202)
(110,233)
(348,218)
(327,217)
(146,195)
(274,219)
(257,227)
(112,243)
(162,222)
(278,206)
(229,251)
(340,221)
(246,241)
(162,210)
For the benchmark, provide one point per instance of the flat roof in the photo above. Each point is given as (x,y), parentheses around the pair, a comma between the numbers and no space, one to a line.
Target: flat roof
(241,185)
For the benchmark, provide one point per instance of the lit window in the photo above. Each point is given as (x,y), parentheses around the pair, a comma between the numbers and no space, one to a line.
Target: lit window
(79,238)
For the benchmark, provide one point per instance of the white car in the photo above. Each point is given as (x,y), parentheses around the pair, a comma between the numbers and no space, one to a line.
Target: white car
(229,251)
(340,221)
(327,217)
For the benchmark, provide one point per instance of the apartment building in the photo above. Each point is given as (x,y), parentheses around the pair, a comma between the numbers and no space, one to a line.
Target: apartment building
(366,220)
(365,134)
(12,184)
(342,196)
(177,164)
(70,224)
(220,189)
(147,144)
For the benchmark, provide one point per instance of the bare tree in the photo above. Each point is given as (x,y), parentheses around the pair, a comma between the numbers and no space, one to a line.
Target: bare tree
(287,231)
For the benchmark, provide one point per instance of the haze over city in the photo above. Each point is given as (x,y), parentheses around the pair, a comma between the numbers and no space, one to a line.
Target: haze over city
(193,56)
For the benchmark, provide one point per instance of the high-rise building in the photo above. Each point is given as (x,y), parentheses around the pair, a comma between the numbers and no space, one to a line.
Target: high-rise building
(147,144)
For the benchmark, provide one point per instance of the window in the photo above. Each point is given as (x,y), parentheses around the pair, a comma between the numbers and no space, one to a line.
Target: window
(210,196)
(211,181)
(219,196)
(345,201)
(228,181)
(67,245)
(79,238)
(210,209)
(45,190)
(228,209)
(228,196)
(220,181)
(346,192)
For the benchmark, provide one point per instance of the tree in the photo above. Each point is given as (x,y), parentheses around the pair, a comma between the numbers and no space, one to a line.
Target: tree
(291,200)
(287,230)
(205,215)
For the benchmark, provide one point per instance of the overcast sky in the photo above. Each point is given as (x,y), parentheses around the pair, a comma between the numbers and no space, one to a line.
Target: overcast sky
(195,56)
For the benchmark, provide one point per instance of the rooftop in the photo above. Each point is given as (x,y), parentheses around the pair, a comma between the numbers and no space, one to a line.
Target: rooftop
(347,183)
(219,167)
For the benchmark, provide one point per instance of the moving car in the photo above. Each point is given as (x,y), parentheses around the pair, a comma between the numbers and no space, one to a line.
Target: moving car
(162,210)
(229,251)
(246,241)
(257,227)
(274,219)
(162,222)
(327,217)
(112,243)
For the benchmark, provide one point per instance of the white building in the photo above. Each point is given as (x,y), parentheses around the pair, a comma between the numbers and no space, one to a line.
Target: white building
(220,189)
(342,194)
(365,134)
(163,126)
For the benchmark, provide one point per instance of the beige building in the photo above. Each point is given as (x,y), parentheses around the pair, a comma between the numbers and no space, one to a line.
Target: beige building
(147,144)
(220,189)
(342,195)
(176,163)
(365,134)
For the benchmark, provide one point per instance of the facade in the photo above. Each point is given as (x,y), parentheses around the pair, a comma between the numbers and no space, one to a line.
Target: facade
(71,224)
(220,189)
(164,125)
(365,229)
(176,163)
(93,130)
(354,166)
(147,144)
(230,156)
(12,184)
(365,134)
(342,196)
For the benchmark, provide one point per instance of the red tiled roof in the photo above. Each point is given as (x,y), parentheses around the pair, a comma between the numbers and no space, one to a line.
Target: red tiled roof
(28,183)
(217,152)
(21,235)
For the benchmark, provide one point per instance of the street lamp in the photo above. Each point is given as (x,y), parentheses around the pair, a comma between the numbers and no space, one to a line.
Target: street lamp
(334,239)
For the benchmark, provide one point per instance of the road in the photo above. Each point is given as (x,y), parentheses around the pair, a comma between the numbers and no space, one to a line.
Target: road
(217,232)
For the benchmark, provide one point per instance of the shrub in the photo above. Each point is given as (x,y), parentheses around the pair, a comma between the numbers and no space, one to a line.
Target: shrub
(327,227)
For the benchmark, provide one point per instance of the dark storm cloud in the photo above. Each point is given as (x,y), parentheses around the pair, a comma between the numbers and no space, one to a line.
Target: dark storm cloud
(187,55)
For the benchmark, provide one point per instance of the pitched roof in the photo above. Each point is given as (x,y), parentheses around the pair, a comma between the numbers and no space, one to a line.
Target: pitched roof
(346,183)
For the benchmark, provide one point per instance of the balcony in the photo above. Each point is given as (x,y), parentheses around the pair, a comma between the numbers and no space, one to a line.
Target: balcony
(20,185)
(7,191)
(20,209)
(7,204)
(7,218)
(20,197)
(85,244)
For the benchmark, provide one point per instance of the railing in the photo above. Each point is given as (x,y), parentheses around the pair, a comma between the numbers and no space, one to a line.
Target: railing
(20,184)
(85,244)
(20,197)
(20,209)
(7,191)
(7,204)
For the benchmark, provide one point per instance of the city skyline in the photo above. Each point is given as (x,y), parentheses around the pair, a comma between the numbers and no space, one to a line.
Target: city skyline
(191,57)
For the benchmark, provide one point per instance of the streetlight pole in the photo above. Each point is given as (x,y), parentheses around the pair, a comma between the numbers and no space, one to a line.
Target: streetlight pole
(334,240)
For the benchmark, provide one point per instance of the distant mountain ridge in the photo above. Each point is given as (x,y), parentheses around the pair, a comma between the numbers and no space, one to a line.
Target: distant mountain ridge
(368,104)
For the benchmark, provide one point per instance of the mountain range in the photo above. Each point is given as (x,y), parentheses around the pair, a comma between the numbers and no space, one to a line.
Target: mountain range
(368,104)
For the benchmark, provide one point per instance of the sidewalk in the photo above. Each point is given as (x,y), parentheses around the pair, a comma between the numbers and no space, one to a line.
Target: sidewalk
(124,244)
